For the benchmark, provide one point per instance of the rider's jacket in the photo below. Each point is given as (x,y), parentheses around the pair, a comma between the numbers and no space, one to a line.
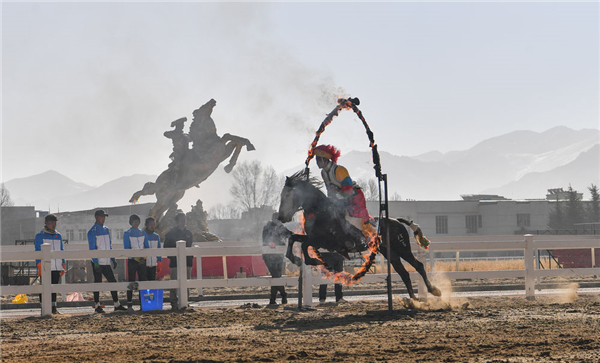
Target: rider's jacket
(55,240)
(153,240)
(341,188)
(99,239)
(337,179)
(134,239)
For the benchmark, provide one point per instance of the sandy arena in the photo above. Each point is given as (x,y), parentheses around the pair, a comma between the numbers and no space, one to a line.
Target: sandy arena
(553,328)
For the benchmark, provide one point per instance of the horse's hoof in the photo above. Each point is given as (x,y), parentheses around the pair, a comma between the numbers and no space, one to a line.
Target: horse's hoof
(250,147)
(436,292)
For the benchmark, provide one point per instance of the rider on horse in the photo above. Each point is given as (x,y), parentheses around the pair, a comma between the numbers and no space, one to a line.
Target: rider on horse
(341,190)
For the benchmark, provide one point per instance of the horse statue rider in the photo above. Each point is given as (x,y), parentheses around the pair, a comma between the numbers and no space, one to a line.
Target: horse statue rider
(180,140)
(344,193)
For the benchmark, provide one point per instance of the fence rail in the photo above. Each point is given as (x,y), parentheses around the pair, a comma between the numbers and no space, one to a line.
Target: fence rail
(448,244)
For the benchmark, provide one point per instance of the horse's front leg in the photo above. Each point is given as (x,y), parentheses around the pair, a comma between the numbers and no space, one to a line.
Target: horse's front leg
(236,153)
(148,189)
(290,250)
(240,141)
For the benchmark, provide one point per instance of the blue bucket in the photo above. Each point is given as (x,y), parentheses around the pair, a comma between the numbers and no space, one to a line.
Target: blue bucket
(151,299)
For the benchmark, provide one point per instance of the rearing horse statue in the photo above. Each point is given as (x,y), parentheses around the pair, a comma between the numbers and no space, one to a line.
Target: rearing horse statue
(194,165)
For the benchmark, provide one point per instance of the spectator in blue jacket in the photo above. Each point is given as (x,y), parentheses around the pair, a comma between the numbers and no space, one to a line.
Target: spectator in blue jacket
(153,264)
(99,239)
(135,239)
(50,235)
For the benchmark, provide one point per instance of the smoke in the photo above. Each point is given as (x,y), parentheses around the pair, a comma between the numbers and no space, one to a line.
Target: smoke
(568,295)
(445,302)
(120,74)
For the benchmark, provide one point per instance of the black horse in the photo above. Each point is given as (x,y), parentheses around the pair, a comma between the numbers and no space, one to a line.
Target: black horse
(326,227)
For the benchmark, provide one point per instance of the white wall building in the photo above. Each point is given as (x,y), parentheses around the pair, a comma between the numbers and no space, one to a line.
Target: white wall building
(472,217)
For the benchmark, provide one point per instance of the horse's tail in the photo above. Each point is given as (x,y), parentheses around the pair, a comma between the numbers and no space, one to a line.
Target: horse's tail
(422,241)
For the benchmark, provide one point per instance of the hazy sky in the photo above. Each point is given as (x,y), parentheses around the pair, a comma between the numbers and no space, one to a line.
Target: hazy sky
(89,88)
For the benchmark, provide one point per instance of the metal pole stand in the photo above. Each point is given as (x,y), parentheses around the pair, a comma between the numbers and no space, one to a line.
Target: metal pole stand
(384,216)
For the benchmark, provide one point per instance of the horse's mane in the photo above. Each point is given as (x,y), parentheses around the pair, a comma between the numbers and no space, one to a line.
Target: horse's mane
(303,176)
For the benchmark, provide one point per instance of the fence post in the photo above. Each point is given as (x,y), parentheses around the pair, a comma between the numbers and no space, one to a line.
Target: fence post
(199,270)
(457,260)
(593,257)
(182,274)
(431,258)
(536,256)
(225,267)
(46,280)
(529,269)
(307,294)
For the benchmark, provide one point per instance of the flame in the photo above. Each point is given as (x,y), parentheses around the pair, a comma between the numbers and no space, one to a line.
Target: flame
(346,104)
(343,104)
(344,277)
(302,221)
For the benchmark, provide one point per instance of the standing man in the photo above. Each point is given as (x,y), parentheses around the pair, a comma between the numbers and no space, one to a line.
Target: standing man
(50,235)
(99,239)
(153,264)
(134,239)
(178,233)
(336,262)
(275,233)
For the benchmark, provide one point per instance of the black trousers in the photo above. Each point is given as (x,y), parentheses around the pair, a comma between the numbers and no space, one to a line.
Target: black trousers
(275,266)
(55,279)
(135,268)
(107,271)
(336,262)
(151,273)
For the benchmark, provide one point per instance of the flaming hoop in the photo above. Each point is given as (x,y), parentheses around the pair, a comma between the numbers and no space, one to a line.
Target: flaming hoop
(347,104)
(374,239)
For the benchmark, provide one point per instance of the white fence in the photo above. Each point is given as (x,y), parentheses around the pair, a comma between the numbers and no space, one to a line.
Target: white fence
(448,244)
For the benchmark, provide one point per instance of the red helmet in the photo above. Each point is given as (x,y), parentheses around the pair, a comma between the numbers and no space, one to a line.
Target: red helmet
(327,151)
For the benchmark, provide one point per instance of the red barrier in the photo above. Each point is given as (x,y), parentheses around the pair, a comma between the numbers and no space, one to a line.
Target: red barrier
(576,258)
(213,266)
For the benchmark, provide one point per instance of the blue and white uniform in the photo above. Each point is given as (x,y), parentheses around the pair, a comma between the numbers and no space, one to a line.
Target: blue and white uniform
(55,240)
(153,241)
(134,239)
(99,239)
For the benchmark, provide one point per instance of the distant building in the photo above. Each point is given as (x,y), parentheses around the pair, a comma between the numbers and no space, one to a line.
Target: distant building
(472,216)
(17,223)
(74,226)
(246,229)
(472,197)
(559,194)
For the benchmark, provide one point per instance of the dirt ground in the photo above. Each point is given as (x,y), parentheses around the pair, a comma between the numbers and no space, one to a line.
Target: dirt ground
(552,328)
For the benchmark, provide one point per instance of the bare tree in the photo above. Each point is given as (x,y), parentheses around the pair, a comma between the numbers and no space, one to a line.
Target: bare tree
(221,211)
(370,188)
(5,200)
(255,186)
(594,208)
